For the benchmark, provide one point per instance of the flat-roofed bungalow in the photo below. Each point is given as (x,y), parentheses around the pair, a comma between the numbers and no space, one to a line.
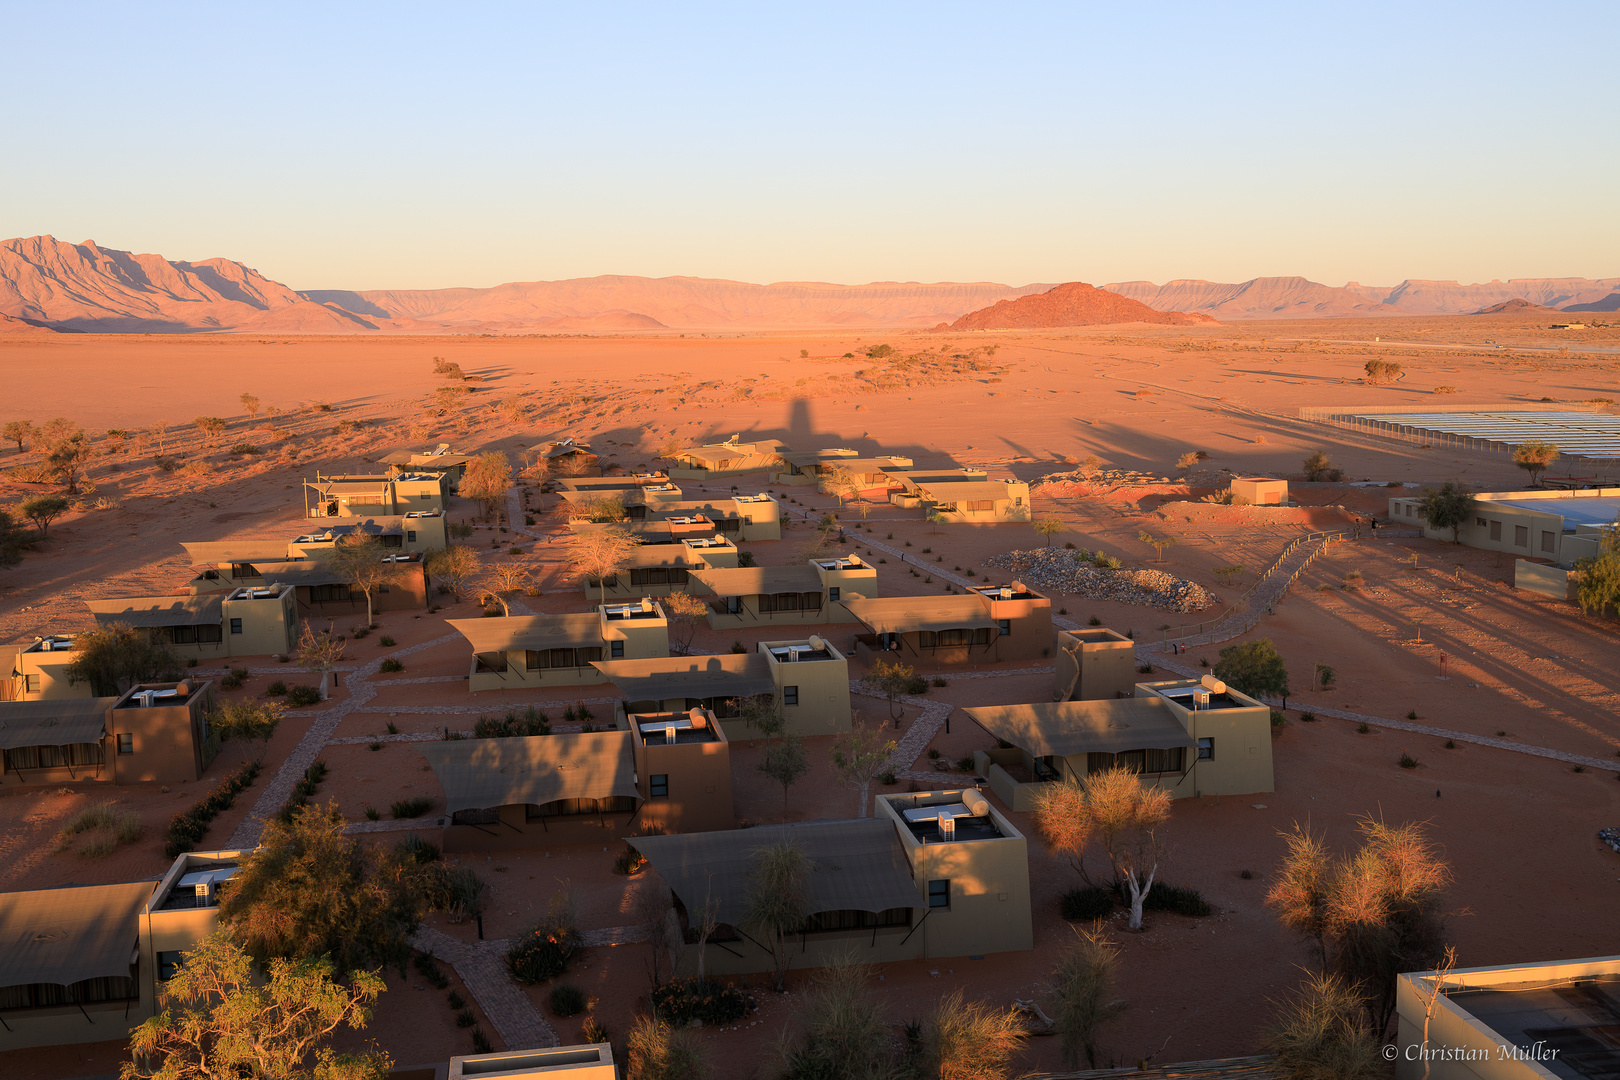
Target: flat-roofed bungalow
(37,671)
(683,769)
(529,652)
(622,482)
(934,874)
(419,530)
(544,789)
(741,517)
(783,595)
(986,624)
(730,458)
(1094,664)
(649,570)
(70,971)
(321,590)
(980,502)
(248,621)
(799,468)
(366,496)
(1190,738)
(451,466)
(154,732)
(568,457)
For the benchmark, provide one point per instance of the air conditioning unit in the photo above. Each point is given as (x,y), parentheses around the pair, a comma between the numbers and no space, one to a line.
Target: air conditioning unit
(947,827)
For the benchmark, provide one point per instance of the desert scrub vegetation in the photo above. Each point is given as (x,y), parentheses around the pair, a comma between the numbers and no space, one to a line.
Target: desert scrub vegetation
(102,828)
(545,950)
(188,828)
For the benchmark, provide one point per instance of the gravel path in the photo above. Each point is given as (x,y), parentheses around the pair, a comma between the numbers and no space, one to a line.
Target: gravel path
(482,967)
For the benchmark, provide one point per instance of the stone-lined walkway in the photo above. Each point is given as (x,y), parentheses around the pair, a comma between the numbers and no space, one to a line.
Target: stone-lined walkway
(482,967)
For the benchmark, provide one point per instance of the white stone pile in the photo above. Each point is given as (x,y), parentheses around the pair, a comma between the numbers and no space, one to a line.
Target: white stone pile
(1064,570)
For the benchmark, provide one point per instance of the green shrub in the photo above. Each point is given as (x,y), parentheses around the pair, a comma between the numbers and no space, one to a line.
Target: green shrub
(429,968)
(481,1044)
(371,813)
(359,632)
(106,827)
(1408,761)
(886,778)
(392,665)
(939,681)
(917,685)
(417,850)
(188,828)
(544,950)
(234,678)
(514,725)
(567,1000)
(456,891)
(299,695)
(276,689)
(738,647)
(465,1018)
(411,808)
(1278,718)
(682,1001)
(386,642)
(455,1000)
(1087,905)
(1181,899)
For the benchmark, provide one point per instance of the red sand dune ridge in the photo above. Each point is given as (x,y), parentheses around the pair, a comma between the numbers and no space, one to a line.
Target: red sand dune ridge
(1072,304)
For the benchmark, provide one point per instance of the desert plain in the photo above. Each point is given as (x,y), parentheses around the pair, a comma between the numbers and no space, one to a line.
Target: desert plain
(1110,409)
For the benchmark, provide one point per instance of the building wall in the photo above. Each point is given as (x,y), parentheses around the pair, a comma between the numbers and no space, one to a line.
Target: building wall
(410,593)
(1242,764)
(49,671)
(990,907)
(751,616)
(269,625)
(644,639)
(166,741)
(1552,581)
(823,708)
(1494,527)
(1031,637)
(1259,492)
(699,774)
(1106,662)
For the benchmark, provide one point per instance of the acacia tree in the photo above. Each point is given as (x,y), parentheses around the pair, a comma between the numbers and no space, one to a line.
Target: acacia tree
(255,721)
(452,567)
(19,432)
(1597,577)
(1371,915)
(1157,543)
(970,1040)
(785,762)
(600,554)
(308,890)
(1254,668)
(250,404)
(1048,527)
(889,679)
(1185,463)
(223,1020)
(778,901)
(860,757)
(66,449)
(501,582)
(487,480)
(1083,984)
(319,652)
(12,540)
(1319,468)
(114,657)
(1448,508)
(684,611)
(42,510)
(1535,456)
(1114,807)
(360,560)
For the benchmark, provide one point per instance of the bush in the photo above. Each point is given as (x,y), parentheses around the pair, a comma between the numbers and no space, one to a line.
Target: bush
(594,1031)
(108,828)
(392,665)
(1362,729)
(567,1000)
(276,689)
(234,678)
(682,1001)
(481,1043)
(1087,905)
(938,681)
(300,695)
(887,778)
(1181,899)
(429,969)
(417,850)
(465,1018)
(964,764)
(359,632)
(1307,717)
(628,862)
(303,791)
(411,808)
(738,647)
(455,1000)
(917,685)
(385,641)
(187,829)
(1408,761)
(1278,719)
(242,448)
(372,814)
(531,722)
(543,953)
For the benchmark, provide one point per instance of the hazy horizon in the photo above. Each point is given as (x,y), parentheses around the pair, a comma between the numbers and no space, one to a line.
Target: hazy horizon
(402,147)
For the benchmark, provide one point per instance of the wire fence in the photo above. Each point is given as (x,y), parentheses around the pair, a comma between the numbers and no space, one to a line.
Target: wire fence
(1241,616)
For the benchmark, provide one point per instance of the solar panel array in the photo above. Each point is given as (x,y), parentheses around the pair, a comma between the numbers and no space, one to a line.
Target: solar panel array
(1583,434)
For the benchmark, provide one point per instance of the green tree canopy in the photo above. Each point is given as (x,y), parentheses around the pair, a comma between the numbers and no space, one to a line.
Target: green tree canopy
(308,890)
(1535,456)
(1448,508)
(42,510)
(222,1020)
(1253,668)
(114,657)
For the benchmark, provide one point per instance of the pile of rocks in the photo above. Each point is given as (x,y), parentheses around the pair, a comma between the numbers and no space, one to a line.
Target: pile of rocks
(1102,478)
(1610,837)
(1062,570)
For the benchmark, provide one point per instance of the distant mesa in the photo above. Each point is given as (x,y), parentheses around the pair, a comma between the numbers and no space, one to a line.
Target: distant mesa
(1301,298)
(1516,306)
(1072,304)
(1608,303)
(607,321)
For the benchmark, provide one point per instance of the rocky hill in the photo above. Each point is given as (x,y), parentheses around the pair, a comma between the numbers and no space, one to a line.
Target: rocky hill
(1072,304)
(1517,306)
(1301,298)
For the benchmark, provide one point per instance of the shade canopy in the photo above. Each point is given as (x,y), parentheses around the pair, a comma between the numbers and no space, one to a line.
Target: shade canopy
(1064,728)
(208,553)
(699,677)
(904,614)
(531,632)
(481,774)
(64,936)
(965,491)
(856,865)
(53,723)
(755,580)
(152,611)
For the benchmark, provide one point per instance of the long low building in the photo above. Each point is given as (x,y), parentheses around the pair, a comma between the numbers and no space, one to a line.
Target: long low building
(1191,738)
(933,874)
(784,595)
(152,733)
(986,624)
(250,621)
(531,652)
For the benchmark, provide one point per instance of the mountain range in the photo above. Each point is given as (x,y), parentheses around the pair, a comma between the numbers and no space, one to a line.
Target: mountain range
(52,285)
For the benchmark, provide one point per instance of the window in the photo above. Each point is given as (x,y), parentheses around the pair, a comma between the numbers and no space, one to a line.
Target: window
(1547,541)
(978,505)
(488,816)
(126,743)
(1006,627)
(1206,749)
(1521,536)
(410,534)
(832,592)
(1479,521)
(613,804)
(382,588)
(825,921)
(1142,761)
(790,695)
(31,683)
(53,757)
(658,785)
(205,634)
(939,893)
(236,626)
(321,594)
(425,497)
(393,541)
(617,650)
(1496,530)
(167,964)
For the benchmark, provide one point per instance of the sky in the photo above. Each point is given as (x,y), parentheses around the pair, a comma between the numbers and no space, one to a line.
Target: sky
(401,145)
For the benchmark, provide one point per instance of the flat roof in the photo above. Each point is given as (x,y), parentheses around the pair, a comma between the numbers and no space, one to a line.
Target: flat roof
(480,774)
(1576,1017)
(753,580)
(64,936)
(530,631)
(59,722)
(698,677)
(1574,510)
(900,614)
(1582,433)
(159,610)
(1062,728)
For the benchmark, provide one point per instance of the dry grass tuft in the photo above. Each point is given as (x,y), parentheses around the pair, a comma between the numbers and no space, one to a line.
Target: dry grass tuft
(104,829)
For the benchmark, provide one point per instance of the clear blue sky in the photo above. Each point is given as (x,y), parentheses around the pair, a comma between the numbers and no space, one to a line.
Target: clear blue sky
(420,145)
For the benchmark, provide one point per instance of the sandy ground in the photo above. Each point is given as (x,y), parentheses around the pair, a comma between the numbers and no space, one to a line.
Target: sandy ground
(1532,882)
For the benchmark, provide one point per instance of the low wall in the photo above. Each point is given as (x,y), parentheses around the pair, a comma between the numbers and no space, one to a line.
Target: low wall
(1546,580)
